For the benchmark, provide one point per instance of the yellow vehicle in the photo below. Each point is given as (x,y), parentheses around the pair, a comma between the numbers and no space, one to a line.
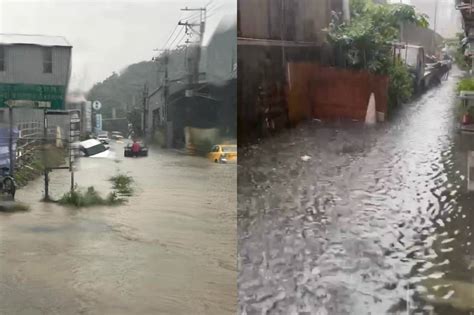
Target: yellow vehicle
(223,153)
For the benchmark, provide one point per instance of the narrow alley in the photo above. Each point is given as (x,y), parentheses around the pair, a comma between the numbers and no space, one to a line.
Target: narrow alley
(371,220)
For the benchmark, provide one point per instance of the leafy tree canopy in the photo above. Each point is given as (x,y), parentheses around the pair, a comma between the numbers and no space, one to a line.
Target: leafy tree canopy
(365,41)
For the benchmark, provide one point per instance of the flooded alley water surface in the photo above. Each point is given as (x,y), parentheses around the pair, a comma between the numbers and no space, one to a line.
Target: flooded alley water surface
(169,250)
(373,221)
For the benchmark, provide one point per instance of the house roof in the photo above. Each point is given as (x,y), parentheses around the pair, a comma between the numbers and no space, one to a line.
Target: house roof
(28,39)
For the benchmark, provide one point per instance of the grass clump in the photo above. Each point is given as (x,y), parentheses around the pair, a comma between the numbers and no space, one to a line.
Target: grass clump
(465,85)
(80,198)
(122,184)
(14,207)
(87,198)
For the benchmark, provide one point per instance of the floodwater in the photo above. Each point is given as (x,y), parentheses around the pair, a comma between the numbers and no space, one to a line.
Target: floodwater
(169,250)
(374,220)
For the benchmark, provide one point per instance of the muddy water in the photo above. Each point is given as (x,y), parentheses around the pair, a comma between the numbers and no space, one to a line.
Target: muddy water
(377,221)
(169,250)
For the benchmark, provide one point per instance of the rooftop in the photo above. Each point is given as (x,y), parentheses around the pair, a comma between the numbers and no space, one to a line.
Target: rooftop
(39,40)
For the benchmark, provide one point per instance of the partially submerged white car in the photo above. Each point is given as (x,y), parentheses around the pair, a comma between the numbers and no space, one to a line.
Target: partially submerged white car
(94,148)
(103,137)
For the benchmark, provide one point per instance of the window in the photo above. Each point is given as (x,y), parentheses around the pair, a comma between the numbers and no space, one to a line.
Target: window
(47,60)
(2,58)
(229,149)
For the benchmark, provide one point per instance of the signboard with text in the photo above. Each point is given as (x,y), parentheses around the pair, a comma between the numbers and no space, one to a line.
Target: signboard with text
(31,95)
(98,121)
(74,134)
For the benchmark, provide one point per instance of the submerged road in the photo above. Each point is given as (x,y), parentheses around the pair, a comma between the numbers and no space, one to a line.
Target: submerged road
(169,250)
(377,220)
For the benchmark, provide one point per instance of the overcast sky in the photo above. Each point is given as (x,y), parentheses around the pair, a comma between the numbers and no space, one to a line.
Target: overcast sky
(448,21)
(107,35)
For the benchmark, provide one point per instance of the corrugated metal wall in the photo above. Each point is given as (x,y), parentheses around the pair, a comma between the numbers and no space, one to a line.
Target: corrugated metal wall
(24,65)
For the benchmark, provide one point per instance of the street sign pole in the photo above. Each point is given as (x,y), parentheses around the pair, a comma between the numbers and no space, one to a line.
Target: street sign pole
(71,169)
(74,138)
(45,141)
(10,140)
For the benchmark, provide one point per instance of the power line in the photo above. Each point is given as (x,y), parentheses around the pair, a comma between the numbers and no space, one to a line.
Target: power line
(174,30)
(195,15)
(177,35)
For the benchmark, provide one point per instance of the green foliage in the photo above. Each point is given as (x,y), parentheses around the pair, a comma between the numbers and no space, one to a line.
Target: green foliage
(120,89)
(122,184)
(365,42)
(79,198)
(466,85)
(14,207)
(400,88)
(88,198)
(462,62)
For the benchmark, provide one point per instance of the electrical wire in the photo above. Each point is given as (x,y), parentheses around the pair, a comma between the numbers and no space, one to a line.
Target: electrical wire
(174,30)
(174,40)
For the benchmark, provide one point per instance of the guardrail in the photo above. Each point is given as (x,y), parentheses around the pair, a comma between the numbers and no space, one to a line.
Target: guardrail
(31,136)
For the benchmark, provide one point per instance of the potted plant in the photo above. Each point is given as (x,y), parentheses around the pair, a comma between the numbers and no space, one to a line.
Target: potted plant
(468,116)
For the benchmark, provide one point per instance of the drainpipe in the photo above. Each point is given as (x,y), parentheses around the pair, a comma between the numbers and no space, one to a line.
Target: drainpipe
(346,10)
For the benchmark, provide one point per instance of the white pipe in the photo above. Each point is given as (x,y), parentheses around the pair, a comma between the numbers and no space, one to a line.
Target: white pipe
(346,11)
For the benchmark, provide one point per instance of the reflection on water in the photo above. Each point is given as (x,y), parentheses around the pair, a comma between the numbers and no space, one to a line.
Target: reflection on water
(378,221)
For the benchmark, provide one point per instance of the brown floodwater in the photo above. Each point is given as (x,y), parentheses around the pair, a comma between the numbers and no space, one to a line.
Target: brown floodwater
(169,250)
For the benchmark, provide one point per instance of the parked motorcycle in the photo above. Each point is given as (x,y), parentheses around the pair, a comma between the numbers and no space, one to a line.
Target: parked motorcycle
(7,182)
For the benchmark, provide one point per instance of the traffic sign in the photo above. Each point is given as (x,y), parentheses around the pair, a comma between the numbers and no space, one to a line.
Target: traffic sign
(96,105)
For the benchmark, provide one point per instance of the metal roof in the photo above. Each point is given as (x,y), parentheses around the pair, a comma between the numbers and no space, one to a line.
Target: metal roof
(39,40)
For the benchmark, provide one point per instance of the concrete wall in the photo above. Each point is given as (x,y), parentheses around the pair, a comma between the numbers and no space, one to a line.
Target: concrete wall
(24,65)
(425,37)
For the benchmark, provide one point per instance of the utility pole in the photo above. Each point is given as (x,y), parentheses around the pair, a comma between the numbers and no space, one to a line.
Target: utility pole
(346,10)
(145,111)
(166,89)
(45,142)
(193,60)
(434,26)
(10,142)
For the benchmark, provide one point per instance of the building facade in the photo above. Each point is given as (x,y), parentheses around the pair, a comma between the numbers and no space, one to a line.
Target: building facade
(271,34)
(212,106)
(34,68)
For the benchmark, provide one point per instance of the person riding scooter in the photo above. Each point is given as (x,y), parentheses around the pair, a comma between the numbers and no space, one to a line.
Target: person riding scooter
(136,148)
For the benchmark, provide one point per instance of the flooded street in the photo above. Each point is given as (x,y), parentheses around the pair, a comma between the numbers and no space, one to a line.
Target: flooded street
(373,220)
(169,250)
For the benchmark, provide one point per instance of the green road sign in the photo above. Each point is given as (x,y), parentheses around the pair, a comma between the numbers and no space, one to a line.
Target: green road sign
(42,96)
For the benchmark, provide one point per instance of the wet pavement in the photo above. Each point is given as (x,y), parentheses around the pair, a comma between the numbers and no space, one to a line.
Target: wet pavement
(346,219)
(169,250)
